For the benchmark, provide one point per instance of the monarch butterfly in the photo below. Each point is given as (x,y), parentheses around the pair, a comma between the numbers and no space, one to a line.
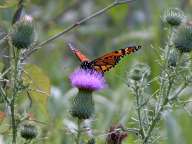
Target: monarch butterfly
(105,62)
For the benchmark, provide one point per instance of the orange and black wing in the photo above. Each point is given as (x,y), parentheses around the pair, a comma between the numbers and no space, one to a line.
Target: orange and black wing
(109,60)
(79,55)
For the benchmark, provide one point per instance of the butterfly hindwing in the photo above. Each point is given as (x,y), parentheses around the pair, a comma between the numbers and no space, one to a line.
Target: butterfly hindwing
(109,60)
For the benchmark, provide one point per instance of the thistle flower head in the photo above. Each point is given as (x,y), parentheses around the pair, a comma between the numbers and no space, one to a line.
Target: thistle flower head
(116,135)
(173,16)
(87,80)
(183,38)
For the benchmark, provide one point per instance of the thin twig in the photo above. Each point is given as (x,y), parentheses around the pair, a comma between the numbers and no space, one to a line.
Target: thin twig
(76,24)
(18,12)
(178,92)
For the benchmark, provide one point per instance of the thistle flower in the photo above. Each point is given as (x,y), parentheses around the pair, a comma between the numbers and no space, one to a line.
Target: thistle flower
(183,38)
(116,135)
(23,33)
(86,81)
(173,16)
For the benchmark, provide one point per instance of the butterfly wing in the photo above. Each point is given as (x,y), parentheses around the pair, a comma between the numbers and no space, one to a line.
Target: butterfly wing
(79,55)
(109,60)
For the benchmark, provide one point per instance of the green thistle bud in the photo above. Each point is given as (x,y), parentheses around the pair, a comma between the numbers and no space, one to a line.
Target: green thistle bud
(23,34)
(183,38)
(138,72)
(172,58)
(173,16)
(83,105)
(28,131)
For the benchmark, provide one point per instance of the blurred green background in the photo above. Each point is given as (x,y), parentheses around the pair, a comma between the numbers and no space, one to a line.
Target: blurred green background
(136,23)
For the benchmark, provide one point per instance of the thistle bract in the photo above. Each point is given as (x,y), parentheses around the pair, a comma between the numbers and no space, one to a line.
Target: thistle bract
(83,105)
(23,34)
(173,16)
(28,131)
(172,58)
(183,38)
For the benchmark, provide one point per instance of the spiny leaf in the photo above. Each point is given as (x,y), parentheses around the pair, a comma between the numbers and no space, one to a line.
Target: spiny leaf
(39,86)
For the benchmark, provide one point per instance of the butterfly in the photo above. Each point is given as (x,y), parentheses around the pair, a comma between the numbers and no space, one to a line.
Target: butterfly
(105,62)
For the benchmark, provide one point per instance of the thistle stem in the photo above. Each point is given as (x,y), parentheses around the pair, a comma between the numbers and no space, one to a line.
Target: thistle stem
(139,112)
(14,53)
(164,89)
(78,131)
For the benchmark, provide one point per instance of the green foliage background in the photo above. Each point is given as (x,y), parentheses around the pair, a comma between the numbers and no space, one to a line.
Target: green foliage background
(138,23)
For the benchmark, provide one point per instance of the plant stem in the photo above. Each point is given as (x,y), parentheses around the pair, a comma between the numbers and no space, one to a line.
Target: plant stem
(78,131)
(14,81)
(14,127)
(139,112)
(164,88)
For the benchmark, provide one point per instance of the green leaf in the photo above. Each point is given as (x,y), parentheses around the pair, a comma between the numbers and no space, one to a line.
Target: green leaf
(39,85)
(8,3)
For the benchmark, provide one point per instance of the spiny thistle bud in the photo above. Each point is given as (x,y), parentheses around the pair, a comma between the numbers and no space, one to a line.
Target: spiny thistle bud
(138,72)
(116,135)
(183,38)
(86,81)
(83,105)
(28,131)
(172,58)
(23,33)
(173,16)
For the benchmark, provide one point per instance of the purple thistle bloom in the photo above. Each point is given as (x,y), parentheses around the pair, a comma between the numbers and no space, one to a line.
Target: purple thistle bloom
(87,80)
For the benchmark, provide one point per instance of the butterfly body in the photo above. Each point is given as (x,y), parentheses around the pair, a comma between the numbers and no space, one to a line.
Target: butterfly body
(105,62)
(86,65)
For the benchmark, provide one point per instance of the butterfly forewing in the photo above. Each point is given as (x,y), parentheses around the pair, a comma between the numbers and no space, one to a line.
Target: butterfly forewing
(77,52)
(109,60)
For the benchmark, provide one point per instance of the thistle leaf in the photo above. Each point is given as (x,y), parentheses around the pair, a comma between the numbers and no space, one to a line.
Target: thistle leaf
(39,86)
